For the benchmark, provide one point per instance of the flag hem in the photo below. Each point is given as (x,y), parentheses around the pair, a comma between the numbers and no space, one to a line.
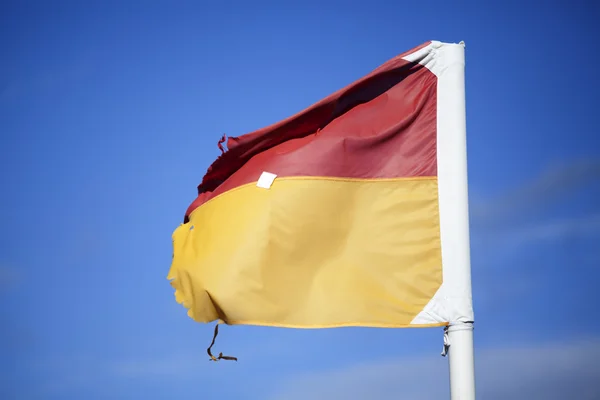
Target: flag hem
(453,300)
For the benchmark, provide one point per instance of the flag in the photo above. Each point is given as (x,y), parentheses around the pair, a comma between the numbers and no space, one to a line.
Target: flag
(352,212)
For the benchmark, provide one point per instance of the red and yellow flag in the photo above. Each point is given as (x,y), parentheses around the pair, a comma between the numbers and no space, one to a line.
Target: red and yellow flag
(333,217)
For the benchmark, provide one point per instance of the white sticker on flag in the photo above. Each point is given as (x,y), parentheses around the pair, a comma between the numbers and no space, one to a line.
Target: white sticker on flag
(266,180)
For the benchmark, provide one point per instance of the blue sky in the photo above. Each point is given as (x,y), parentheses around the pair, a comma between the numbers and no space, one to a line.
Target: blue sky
(110,114)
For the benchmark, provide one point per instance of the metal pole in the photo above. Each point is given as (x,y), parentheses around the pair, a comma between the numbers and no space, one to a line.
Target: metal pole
(461,361)
(459,335)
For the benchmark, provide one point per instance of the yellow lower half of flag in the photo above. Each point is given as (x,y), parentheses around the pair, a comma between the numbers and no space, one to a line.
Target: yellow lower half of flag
(312,253)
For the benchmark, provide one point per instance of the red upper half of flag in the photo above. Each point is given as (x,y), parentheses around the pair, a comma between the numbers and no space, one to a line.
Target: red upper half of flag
(381,126)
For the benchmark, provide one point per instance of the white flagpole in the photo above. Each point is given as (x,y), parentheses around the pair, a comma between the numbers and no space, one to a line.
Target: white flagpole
(461,361)
(459,335)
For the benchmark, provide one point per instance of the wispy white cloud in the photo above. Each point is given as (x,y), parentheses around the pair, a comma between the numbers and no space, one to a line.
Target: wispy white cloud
(557,182)
(520,217)
(560,228)
(550,371)
(74,374)
(544,231)
(512,262)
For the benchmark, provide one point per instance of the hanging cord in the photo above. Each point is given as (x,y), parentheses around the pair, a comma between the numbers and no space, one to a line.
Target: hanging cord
(221,356)
(446,342)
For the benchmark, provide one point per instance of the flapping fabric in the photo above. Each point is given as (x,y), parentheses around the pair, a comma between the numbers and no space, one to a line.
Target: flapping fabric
(331,217)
